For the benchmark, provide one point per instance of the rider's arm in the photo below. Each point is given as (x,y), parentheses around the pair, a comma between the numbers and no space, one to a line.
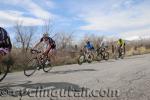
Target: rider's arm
(101,44)
(38,43)
(124,47)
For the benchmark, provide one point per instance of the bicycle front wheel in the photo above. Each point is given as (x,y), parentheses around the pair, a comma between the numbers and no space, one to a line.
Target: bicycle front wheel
(81,60)
(4,69)
(31,67)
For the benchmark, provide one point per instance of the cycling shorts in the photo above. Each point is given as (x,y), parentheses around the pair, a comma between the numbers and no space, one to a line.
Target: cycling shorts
(4,51)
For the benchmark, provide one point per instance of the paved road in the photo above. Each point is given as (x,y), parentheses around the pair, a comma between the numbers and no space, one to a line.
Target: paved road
(127,79)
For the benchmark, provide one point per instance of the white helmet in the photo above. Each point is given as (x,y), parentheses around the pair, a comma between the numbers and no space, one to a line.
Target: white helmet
(45,35)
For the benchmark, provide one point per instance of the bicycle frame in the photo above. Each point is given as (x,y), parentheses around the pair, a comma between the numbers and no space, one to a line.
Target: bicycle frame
(40,59)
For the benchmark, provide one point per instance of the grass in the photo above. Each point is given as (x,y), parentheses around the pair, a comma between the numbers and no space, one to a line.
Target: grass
(68,58)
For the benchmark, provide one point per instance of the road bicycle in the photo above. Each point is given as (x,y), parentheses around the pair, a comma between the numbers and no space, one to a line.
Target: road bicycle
(102,54)
(5,65)
(85,56)
(120,53)
(37,63)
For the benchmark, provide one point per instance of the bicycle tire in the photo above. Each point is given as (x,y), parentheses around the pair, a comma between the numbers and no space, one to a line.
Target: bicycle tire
(47,68)
(106,55)
(5,73)
(122,54)
(81,59)
(32,68)
(99,57)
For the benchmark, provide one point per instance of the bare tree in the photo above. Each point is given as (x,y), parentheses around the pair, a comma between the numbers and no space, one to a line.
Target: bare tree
(24,36)
(94,39)
(64,40)
(48,26)
(29,37)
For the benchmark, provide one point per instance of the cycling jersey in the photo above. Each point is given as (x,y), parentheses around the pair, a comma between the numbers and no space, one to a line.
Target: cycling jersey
(4,39)
(120,43)
(49,41)
(103,44)
(89,46)
(5,43)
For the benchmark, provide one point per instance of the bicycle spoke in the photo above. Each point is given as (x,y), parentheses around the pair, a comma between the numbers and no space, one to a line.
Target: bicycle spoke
(30,67)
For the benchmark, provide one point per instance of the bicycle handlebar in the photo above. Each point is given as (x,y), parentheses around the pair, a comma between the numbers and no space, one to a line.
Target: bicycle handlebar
(33,51)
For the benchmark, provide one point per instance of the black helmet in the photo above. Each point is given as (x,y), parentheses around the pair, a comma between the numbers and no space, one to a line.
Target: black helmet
(45,35)
(120,39)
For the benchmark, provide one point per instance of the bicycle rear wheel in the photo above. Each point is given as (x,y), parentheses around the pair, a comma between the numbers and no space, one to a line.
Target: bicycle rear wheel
(31,67)
(81,59)
(121,53)
(47,67)
(4,69)
(106,55)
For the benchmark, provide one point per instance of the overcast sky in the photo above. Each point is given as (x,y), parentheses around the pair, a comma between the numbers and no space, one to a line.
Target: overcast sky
(129,19)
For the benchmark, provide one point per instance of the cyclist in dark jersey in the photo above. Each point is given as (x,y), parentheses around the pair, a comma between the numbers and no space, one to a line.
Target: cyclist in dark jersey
(50,45)
(5,43)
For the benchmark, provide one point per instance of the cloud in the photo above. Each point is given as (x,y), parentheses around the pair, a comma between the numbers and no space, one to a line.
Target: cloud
(36,10)
(114,20)
(32,7)
(123,16)
(36,13)
(128,18)
(136,34)
(49,3)
(8,18)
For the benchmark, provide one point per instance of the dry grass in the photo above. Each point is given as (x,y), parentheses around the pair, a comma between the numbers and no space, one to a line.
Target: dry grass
(138,51)
(70,56)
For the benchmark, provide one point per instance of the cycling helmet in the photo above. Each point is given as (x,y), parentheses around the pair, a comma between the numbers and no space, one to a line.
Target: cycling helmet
(88,42)
(120,40)
(45,35)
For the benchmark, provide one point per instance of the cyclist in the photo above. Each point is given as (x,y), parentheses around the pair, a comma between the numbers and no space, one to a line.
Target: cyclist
(120,45)
(50,46)
(89,46)
(5,43)
(104,44)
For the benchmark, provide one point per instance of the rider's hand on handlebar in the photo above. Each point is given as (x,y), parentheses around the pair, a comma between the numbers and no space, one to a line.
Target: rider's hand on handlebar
(32,50)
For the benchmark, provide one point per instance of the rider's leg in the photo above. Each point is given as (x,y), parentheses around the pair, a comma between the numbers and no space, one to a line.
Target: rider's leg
(1,57)
(0,61)
(39,56)
(124,49)
(3,52)
(118,49)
